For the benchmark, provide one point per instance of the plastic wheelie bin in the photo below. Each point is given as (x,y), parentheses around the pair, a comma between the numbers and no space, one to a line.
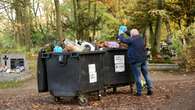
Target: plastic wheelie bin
(116,68)
(74,74)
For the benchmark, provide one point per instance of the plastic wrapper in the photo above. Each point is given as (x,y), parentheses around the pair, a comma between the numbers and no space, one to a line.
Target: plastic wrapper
(71,46)
(112,44)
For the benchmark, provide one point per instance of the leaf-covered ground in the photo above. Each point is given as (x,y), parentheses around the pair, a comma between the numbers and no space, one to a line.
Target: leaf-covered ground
(172,91)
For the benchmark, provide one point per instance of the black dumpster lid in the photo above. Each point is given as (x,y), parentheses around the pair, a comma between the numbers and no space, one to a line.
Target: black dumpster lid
(80,53)
(91,52)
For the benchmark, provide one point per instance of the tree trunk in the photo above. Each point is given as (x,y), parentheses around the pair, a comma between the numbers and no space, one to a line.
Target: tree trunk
(35,10)
(23,22)
(76,27)
(156,43)
(78,19)
(89,14)
(58,20)
(168,27)
(94,26)
(27,23)
(151,35)
(18,23)
(189,17)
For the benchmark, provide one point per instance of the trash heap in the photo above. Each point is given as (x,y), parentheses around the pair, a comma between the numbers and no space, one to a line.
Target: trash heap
(82,46)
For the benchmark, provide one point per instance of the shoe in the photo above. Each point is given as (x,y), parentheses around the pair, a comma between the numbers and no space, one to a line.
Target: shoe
(138,94)
(149,92)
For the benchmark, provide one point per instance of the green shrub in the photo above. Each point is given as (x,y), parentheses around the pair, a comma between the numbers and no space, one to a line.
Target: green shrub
(177,43)
(6,41)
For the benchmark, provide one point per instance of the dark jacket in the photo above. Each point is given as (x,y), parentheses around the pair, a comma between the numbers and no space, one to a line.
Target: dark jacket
(136,49)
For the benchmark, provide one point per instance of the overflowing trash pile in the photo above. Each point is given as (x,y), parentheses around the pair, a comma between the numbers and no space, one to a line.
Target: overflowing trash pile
(82,46)
(68,45)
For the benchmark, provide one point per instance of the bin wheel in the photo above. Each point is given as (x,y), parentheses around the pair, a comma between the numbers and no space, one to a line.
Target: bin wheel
(57,99)
(82,100)
(100,94)
(114,89)
(99,97)
(104,93)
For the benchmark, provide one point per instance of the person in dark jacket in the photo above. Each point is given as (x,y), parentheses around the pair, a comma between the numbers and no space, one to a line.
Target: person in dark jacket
(137,57)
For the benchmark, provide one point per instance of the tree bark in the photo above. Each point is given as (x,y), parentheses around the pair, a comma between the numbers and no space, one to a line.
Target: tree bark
(89,14)
(156,43)
(168,27)
(189,17)
(94,25)
(58,20)
(18,23)
(23,22)
(75,18)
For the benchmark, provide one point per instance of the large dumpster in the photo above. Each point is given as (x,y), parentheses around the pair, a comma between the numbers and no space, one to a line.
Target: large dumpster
(42,72)
(74,74)
(116,68)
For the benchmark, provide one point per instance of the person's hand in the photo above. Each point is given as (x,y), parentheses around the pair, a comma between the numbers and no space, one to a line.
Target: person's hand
(118,37)
(122,29)
(120,32)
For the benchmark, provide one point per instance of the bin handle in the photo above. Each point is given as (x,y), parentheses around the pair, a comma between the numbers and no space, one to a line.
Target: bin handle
(45,55)
(75,55)
(63,59)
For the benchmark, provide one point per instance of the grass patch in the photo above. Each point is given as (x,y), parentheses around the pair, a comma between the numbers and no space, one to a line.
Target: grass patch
(10,84)
(165,61)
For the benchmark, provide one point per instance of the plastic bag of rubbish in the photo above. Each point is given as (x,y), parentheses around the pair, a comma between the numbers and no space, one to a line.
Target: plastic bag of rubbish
(71,46)
(88,46)
(112,44)
(17,70)
(20,69)
(58,49)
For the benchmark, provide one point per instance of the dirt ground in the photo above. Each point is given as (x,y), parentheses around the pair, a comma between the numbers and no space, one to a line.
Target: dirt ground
(172,91)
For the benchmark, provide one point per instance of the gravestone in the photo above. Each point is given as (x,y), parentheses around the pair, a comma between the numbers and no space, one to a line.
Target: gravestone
(14,66)
(14,60)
